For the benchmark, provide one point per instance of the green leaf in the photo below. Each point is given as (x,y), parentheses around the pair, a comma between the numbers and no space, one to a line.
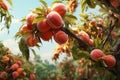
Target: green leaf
(24,48)
(33,51)
(83,5)
(44,3)
(39,10)
(56,1)
(10,2)
(38,19)
(91,3)
(69,18)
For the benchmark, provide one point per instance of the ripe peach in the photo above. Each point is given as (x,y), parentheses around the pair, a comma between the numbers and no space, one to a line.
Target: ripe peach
(32,76)
(24,29)
(92,23)
(60,8)
(30,17)
(3,75)
(31,40)
(114,3)
(3,5)
(46,36)
(61,37)
(5,59)
(14,66)
(20,70)
(96,54)
(109,60)
(54,20)
(83,36)
(19,63)
(15,74)
(43,26)
(113,34)
(90,42)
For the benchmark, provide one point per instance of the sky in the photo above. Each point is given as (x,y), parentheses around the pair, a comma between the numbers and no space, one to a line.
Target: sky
(20,9)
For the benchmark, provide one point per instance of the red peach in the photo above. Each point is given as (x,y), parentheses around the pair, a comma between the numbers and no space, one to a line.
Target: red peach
(115,3)
(113,34)
(15,74)
(92,23)
(32,76)
(19,63)
(60,8)
(43,26)
(96,54)
(46,36)
(14,66)
(83,36)
(3,5)
(24,29)
(20,70)
(90,42)
(109,60)
(31,40)
(5,59)
(30,17)
(3,75)
(61,37)
(54,20)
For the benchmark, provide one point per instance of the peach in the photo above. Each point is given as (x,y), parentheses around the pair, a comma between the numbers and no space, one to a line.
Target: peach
(43,26)
(60,8)
(61,37)
(3,5)
(54,20)
(15,74)
(5,59)
(46,36)
(31,40)
(96,54)
(14,66)
(32,76)
(30,17)
(20,70)
(3,75)
(24,29)
(19,63)
(113,34)
(109,60)
(92,23)
(114,3)
(83,36)
(90,42)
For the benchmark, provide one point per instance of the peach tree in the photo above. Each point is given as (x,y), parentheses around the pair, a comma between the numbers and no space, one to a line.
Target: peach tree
(89,37)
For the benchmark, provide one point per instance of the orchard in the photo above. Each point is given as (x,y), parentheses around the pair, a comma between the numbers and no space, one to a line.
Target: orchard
(91,40)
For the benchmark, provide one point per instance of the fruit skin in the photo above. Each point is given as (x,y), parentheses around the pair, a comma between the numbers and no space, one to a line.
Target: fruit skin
(61,37)
(31,40)
(54,20)
(46,36)
(114,3)
(109,60)
(15,74)
(5,59)
(14,66)
(83,36)
(3,75)
(19,63)
(60,8)
(20,70)
(43,26)
(3,5)
(32,76)
(24,29)
(30,17)
(96,54)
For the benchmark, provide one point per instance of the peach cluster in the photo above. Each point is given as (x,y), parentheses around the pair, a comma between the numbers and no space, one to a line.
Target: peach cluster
(47,28)
(85,37)
(13,67)
(98,54)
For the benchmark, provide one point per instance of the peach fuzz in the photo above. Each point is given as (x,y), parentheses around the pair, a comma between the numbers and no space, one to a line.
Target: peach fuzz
(54,20)
(61,37)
